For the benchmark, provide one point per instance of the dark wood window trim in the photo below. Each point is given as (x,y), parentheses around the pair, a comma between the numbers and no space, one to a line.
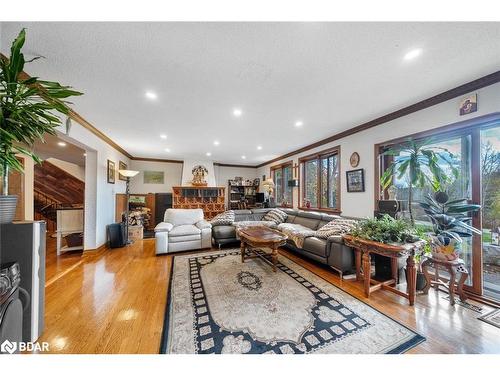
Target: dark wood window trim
(284,184)
(318,156)
(470,127)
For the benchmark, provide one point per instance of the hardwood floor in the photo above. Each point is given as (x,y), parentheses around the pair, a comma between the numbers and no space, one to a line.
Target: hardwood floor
(113,301)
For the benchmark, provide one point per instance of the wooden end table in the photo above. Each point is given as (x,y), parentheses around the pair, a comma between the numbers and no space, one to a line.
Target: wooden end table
(363,249)
(259,237)
(453,268)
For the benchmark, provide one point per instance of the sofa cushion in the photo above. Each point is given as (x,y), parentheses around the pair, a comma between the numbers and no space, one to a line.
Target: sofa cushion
(192,237)
(276,215)
(177,216)
(262,211)
(241,224)
(335,227)
(307,221)
(224,218)
(184,230)
(316,246)
(243,215)
(296,233)
(224,231)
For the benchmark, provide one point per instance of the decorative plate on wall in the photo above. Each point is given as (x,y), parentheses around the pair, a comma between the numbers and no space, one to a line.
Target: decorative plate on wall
(354,159)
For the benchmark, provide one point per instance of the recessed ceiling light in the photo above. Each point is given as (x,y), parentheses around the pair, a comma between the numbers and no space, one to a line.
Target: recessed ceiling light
(167,150)
(62,144)
(237,112)
(259,147)
(298,124)
(216,143)
(163,136)
(243,157)
(410,55)
(151,95)
(209,154)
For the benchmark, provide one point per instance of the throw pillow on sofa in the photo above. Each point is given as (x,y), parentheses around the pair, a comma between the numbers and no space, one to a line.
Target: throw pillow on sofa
(224,218)
(275,215)
(335,227)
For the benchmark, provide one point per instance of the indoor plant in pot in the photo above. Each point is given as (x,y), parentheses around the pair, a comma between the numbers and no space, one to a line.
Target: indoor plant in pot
(451,222)
(424,164)
(29,108)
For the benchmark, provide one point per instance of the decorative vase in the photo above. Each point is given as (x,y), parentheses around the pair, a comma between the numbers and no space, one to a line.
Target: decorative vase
(8,204)
(445,248)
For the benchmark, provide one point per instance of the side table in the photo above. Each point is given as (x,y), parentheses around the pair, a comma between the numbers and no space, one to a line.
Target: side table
(453,268)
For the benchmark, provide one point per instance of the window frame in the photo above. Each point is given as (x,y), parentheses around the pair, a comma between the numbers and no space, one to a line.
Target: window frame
(470,127)
(318,156)
(284,184)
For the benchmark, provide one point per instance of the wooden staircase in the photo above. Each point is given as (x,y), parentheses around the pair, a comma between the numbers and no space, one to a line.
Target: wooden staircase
(55,189)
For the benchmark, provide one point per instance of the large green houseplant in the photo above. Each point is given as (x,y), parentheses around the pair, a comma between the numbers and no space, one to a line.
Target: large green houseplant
(29,108)
(422,163)
(451,223)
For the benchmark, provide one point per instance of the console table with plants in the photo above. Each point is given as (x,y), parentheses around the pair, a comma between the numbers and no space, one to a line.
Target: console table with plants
(388,237)
(363,248)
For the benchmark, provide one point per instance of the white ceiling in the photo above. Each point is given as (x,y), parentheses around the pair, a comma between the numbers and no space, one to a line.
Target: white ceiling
(332,76)
(52,148)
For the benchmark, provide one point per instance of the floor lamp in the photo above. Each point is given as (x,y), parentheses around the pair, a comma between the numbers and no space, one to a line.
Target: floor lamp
(128,174)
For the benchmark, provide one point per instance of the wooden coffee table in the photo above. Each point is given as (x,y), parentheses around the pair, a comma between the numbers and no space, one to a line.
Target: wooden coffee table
(259,237)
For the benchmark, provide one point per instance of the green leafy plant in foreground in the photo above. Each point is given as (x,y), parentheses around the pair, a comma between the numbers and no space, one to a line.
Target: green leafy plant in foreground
(422,163)
(29,108)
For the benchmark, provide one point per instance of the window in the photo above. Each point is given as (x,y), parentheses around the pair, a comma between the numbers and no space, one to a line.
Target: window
(475,145)
(321,181)
(281,175)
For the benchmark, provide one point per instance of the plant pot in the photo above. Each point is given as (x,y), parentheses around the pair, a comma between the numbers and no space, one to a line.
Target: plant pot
(444,248)
(8,204)
(421,282)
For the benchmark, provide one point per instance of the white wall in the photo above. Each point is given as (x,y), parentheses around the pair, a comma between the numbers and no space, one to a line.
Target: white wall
(362,204)
(173,173)
(222,174)
(173,176)
(99,195)
(77,171)
(187,171)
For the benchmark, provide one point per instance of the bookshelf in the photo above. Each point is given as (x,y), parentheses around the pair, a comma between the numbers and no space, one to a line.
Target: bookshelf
(241,193)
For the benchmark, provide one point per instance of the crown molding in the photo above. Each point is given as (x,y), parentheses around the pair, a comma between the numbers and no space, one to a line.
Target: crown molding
(234,165)
(476,84)
(157,160)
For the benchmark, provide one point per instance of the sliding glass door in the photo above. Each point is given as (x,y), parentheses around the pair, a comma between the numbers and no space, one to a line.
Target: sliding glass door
(490,201)
(476,150)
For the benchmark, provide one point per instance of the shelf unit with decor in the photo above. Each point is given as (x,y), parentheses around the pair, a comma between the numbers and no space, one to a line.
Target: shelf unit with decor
(241,193)
(209,199)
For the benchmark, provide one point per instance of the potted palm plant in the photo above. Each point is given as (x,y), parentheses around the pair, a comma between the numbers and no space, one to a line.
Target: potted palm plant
(29,108)
(451,222)
(422,163)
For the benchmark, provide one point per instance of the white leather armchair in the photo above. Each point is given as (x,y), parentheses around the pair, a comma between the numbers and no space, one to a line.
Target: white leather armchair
(182,230)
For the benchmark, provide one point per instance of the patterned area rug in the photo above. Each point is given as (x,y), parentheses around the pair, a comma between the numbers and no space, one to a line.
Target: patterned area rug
(216,304)
(492,318)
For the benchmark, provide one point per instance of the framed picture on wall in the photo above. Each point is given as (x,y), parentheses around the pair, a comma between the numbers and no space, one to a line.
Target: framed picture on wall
(154,177)
(355,181)
(111,172)
(121,166)
(468,104)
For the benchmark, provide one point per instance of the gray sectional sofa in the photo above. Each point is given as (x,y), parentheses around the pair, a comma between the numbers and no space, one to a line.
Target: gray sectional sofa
(331,252)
